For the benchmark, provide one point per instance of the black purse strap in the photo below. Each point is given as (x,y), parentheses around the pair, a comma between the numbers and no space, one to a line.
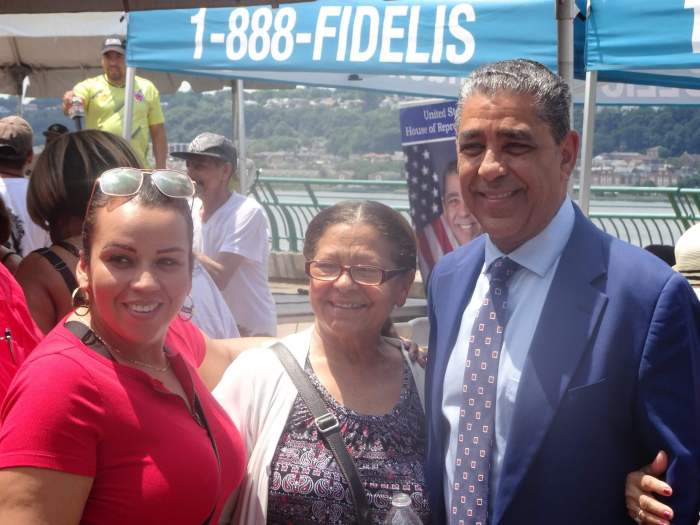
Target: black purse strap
(89,339)
(329,428)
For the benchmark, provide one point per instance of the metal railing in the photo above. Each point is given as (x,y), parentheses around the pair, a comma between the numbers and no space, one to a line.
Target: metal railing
(657,216)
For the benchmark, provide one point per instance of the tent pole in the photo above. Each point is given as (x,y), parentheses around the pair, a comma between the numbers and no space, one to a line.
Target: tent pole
(240,122)
(234,126)
(589,107)
(128,103)
(565,12)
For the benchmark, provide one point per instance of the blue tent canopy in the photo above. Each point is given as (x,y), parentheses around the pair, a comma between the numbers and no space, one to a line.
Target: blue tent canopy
(654,43)
(333,39)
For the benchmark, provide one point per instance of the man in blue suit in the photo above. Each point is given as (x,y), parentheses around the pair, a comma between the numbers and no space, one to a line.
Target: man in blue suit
(597,365)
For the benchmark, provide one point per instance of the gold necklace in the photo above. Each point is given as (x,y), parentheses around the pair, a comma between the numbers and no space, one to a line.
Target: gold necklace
(113,351)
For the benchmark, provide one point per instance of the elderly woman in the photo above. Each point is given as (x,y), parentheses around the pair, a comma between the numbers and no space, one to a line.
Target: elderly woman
(361,260)
(107,421)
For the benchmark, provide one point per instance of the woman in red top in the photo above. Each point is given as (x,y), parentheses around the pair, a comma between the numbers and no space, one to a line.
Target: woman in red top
(108,421)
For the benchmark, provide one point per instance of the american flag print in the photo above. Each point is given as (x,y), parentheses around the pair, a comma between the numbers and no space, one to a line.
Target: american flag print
(425,201)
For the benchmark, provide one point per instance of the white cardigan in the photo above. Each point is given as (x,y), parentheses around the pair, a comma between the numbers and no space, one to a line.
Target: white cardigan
(258,395)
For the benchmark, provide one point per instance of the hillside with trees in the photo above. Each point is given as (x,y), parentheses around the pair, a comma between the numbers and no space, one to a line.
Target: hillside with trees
(349,122)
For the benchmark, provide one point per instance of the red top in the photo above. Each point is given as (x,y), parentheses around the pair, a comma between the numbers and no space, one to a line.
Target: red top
(24,333)
(73,410)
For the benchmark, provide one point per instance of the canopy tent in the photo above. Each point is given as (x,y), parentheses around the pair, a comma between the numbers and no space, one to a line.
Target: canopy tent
(76,6)
(637,42)
(404,46)
(55,52)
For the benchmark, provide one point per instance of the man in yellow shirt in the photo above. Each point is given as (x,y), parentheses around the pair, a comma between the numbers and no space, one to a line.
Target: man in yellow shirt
(103,100)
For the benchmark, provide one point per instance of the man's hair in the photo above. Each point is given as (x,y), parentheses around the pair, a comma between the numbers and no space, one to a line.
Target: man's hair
(66,170)
(525,77)
(450,169)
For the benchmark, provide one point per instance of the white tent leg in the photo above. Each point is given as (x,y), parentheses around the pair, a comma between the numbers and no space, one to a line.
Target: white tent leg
(589,108)
(565,13)
(238,103)
(128,103)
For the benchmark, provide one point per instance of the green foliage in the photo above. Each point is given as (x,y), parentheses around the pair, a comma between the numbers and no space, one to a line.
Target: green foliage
(347,122)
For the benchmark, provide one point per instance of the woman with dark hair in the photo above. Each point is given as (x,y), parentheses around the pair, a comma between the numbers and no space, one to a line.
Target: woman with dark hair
(57,197)
(107,421)
(361,259)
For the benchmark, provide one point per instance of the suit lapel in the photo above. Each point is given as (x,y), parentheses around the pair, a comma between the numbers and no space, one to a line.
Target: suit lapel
(567,322)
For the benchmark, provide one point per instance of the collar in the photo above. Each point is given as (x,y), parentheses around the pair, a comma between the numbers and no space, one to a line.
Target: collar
(123,86)
(541,252)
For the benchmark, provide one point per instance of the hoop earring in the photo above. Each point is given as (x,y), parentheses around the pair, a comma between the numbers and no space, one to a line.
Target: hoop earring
(187,310)
(79,299)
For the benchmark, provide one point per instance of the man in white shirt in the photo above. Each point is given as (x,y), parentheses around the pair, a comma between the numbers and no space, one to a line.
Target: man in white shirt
(231,234)
(16,155)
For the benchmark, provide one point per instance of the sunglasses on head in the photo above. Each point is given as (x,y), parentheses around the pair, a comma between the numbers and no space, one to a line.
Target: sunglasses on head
(125,182)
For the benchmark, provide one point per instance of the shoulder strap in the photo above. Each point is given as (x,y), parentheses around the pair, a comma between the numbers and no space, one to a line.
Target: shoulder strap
(60,266)
(73,250)
(89,339)
(329,428)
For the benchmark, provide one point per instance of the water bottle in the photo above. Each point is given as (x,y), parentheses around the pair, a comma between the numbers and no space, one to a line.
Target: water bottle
(77,111)
(401,512)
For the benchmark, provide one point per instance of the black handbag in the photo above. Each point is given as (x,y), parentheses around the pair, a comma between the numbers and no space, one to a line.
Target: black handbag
(329,428)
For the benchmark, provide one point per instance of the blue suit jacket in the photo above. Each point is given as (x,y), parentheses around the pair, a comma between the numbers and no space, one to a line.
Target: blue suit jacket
(612,376)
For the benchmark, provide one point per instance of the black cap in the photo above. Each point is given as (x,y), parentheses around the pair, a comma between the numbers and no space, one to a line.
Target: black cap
(55,129)
(114,43)
(209,145)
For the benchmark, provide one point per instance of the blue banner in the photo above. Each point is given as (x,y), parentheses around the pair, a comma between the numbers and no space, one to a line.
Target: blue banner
(417,37)
(649,35)
(428,122)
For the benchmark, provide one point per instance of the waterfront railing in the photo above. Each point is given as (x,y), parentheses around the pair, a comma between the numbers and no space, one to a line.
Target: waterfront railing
(638,215)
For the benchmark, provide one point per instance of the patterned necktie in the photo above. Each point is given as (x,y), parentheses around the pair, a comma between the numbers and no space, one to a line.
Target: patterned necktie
(476,418)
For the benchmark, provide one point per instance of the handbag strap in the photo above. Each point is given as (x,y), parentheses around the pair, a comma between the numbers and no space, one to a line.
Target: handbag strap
(89,339)
(329,428)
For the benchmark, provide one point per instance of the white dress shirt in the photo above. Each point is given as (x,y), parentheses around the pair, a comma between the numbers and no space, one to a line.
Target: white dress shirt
(527,291)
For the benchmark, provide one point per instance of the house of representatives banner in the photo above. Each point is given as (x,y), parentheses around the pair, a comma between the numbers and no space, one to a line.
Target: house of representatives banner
(428,142)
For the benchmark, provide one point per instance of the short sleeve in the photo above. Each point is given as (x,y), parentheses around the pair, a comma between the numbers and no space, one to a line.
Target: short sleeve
(52,417)
(155,112)
(186,339)
(82,89)
(246,234)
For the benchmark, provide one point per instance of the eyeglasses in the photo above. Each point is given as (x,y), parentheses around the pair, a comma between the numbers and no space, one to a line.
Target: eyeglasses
(125,182)
(360,273)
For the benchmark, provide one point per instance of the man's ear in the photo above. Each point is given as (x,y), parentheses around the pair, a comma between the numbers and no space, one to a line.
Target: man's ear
(569,147)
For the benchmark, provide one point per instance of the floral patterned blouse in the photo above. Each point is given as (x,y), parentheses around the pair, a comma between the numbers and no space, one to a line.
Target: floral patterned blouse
(306,485)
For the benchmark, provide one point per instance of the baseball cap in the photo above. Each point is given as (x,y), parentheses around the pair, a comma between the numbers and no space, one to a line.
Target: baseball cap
(688,253)
(114,43)
(55,129)
(209,145)
(16,138)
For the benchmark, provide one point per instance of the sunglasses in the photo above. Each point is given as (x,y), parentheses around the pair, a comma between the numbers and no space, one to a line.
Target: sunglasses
(125,182)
